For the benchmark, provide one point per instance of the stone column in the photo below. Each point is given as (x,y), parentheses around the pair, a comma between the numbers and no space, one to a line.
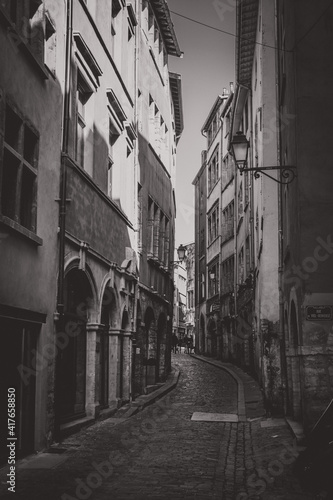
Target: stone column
(113,363)
(91,403)
(127,365)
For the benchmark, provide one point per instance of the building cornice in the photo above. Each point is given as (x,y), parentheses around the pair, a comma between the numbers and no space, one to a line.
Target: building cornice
(246,30)
(176,93)
(162,14)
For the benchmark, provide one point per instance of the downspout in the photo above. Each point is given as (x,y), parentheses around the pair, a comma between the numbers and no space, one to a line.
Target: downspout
(136,166)
(64,152)
(62,204)
(280,223)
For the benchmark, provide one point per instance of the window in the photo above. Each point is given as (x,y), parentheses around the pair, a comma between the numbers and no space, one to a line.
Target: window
(213,224)
(213,170)
(83,93)
(213,279)
(19,170)
(227,278)
(228,222)
(228,169)
(150,227)
(166,242)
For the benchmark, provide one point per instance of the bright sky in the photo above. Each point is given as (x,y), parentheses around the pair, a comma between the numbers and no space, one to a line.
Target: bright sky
(207,67)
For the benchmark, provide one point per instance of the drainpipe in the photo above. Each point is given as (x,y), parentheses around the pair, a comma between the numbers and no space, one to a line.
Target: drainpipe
(64,152)
(280,224)
(62,203)
(235,255)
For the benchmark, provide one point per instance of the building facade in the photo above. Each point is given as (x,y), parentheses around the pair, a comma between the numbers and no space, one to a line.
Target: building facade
(90,119)
(305,128)
(190,291)
(208,222)
(200,229)
(30,138)
(283,318)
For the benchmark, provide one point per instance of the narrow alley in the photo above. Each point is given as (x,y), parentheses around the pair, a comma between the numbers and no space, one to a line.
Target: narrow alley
(160,453)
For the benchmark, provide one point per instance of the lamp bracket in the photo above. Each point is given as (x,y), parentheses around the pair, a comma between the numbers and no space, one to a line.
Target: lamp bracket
(288,173)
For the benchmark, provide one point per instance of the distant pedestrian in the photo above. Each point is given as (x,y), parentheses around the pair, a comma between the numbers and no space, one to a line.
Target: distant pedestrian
(174,343)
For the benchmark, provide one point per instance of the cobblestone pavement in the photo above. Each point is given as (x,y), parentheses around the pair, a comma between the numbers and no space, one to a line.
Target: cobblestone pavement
(161,454)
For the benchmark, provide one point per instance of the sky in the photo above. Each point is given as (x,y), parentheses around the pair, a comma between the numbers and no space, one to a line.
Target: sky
(206,67)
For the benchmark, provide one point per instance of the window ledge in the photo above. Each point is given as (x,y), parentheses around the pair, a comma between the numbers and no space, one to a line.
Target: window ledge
(21,230)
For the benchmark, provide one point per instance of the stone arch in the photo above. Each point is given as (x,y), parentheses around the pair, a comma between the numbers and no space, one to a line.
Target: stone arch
(89,305)
(109,319)
(79,309)
(202,339)
(137,353)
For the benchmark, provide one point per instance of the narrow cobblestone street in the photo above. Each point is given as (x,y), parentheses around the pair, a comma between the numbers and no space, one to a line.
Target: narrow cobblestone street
(160,453)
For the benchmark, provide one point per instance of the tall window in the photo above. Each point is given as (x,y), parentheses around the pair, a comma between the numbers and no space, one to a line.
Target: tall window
(213,279)
(213,170)
(83,93)
(228,275)
(213,224)
(19,170)
(228,222)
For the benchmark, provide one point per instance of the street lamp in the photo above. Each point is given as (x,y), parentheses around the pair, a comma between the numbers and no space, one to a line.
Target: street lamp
(240,148)
(212,275)
(181,252)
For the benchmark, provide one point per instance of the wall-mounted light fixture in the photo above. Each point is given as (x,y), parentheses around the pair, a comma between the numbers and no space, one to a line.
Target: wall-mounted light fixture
(212,275)
(181,252)
(240,148)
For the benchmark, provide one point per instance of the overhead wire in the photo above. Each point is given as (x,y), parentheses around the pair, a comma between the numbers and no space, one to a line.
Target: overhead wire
(244,38)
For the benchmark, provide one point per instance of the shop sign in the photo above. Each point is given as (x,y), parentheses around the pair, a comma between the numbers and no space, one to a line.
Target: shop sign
(319,313)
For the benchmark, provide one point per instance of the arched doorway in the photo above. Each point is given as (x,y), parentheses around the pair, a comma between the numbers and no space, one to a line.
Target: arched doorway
(71,373)
(108,319)
(161,346)
(295,365)
(150,347)
(137,351)
(202,341)
(212,341)
(125,323)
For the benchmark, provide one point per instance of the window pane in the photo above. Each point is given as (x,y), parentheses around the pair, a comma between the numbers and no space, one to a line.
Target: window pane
(30,146)
(27,199)
(9,182)
(12,128)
